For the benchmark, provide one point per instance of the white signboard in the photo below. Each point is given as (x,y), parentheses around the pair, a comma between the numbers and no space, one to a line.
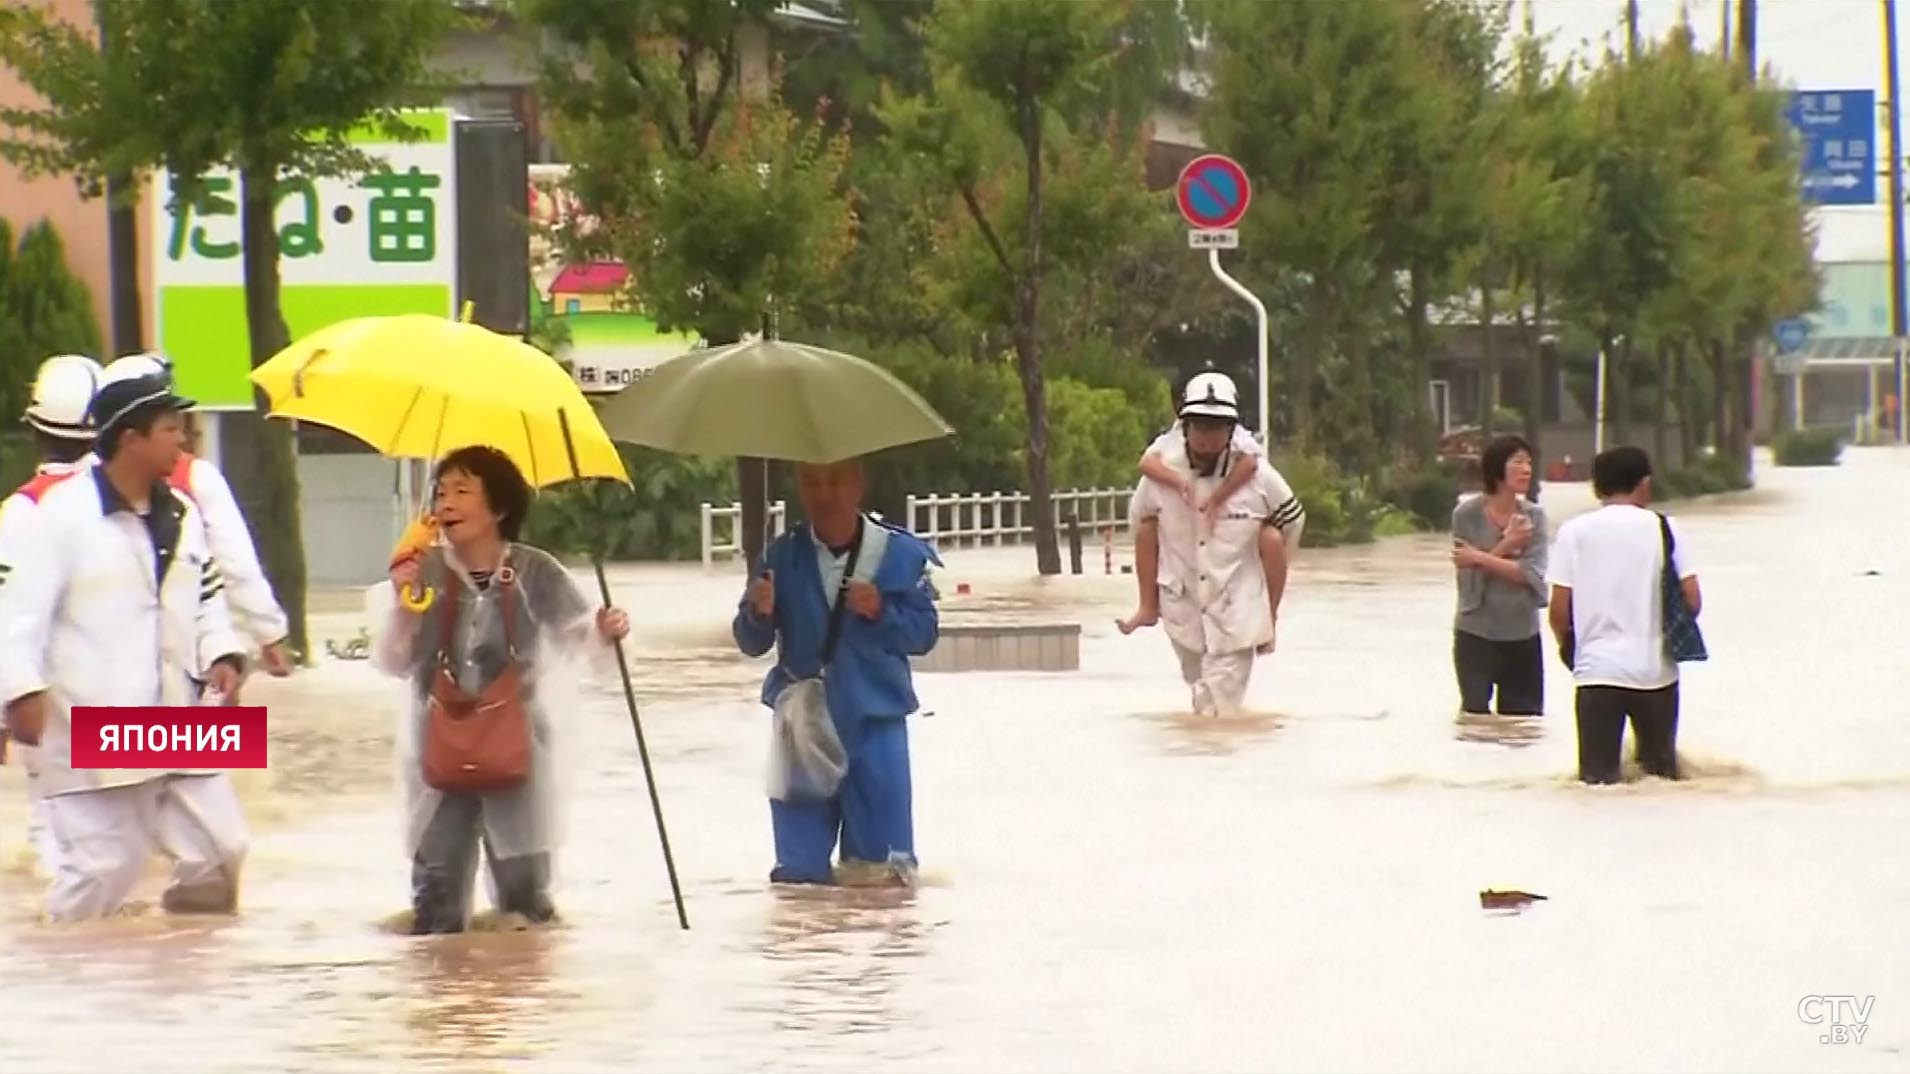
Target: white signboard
(373,245)
(1202,239)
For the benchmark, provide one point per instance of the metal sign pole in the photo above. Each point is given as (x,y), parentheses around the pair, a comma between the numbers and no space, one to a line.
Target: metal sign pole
(1260,315)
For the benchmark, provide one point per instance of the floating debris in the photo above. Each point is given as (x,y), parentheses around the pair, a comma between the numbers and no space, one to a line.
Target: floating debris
(358,648)
(1507,900)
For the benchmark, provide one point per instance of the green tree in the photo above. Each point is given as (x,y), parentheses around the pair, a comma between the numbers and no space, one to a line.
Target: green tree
(44,310)
(1014,87)
(1437,215)
(730,210)
(272,89)
(1312,99)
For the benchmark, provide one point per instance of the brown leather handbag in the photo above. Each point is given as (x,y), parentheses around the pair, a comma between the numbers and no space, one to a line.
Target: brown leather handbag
(477,743)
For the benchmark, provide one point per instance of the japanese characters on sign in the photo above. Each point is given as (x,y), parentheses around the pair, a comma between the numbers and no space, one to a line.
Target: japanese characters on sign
(374,244)
(1838,129)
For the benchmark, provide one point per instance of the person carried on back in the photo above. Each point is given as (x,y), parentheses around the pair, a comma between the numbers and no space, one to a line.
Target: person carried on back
(1215,579)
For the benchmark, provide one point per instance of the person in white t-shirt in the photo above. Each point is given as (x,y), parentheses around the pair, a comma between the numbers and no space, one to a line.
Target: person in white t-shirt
(1607,612)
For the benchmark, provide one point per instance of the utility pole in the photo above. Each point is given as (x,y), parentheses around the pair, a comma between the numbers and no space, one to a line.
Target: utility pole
(1894,154)
(1631,30)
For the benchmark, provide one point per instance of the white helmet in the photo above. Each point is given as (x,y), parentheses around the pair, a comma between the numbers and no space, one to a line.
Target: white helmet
(145,364)
(1211,395)
(62,392)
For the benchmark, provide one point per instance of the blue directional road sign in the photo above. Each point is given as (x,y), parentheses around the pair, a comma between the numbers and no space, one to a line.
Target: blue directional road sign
(1839,130)
(1791,334)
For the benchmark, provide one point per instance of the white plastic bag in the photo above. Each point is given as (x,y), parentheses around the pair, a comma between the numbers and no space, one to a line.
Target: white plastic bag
(806,756)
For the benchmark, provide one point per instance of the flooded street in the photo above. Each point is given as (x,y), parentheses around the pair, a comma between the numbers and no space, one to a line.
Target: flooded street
(1109,884)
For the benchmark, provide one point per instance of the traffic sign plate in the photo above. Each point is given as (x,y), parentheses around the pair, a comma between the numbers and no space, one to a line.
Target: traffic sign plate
(1838,129)
(1213,193)
(1204,239)
(1791,333)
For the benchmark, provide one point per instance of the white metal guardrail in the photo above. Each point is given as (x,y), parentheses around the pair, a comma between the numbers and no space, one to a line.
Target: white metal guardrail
(959,520)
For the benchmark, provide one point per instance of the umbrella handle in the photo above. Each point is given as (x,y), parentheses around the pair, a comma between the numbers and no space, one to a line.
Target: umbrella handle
(418,598)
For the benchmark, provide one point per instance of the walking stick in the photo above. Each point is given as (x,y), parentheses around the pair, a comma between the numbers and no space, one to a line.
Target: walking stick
(630,699)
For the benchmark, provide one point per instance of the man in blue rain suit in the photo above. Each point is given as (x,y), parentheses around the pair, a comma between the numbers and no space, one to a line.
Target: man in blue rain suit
(879,576)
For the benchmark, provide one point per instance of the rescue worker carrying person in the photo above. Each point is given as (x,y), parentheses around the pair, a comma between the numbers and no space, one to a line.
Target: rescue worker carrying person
(1218,591)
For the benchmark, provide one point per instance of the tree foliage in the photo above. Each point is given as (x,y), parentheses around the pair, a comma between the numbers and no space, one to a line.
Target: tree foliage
(1417,156)
(44,310)
(271,88)
(1018,92)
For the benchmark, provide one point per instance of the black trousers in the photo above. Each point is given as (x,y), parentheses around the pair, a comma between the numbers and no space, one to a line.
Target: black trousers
(1602,712)
(445,868)
(1515,670)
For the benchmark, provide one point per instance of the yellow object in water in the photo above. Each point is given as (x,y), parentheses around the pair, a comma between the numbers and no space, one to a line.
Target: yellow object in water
(418,537)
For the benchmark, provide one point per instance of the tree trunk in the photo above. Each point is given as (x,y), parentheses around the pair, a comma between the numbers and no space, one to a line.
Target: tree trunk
(1687,411)
(1737,378)
(1659,450)
(122,242)
(260,459)
(1618,385)
(1425,434)
(1535,380)
(1034,386)
(1365,446)
(127,331)
(1488,360)
(1719,398)
(1319,322)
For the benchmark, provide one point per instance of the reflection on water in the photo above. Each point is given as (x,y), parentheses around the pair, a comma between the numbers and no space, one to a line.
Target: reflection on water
(480,997)
(1187,732)
(1108,882)
(1510,731)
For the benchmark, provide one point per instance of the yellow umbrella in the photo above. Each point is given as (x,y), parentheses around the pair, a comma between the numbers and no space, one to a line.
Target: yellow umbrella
(416,386)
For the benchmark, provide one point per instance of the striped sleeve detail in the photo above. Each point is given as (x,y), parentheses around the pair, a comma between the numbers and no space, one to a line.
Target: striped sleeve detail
(1287,513)
(211,581)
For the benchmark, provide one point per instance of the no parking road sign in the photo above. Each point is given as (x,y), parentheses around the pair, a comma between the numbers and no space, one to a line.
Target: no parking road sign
(1213,194)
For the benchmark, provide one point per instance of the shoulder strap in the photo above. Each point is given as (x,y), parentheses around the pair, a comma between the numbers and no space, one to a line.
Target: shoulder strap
(842,591)
(39,484)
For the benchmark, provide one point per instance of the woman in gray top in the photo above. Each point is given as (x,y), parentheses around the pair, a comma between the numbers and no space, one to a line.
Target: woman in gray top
(1498,548)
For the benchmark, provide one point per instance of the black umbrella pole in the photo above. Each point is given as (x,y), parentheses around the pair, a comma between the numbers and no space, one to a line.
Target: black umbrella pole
(630,700)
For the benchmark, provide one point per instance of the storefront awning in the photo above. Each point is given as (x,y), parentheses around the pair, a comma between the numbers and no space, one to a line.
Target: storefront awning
(1847,351)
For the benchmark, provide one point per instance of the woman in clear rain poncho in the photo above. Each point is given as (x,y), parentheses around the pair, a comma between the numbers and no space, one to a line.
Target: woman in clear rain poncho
(500,609)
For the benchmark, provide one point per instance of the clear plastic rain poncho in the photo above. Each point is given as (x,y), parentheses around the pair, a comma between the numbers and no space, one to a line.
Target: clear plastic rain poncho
(557,642)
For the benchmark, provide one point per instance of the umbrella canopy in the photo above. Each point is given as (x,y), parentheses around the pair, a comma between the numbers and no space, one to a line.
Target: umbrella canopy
(771,399)
(417,386)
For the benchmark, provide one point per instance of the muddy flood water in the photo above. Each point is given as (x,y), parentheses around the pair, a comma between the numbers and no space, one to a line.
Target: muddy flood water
(1109,883)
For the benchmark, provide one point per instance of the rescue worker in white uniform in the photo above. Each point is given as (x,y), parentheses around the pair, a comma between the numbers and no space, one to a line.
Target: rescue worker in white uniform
(1214,598)
(63,431)
(255,609)
(113,599)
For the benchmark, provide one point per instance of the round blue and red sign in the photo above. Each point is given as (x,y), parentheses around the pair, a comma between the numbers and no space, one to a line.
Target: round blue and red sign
(1213,192)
